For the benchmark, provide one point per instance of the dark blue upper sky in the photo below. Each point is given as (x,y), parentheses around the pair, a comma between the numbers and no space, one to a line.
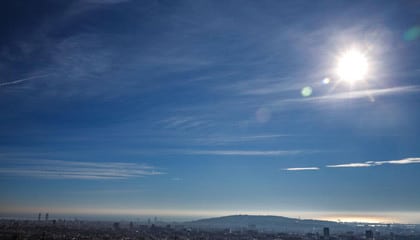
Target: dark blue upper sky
(202,107)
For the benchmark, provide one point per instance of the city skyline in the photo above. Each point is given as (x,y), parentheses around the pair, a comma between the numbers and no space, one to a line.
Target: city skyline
(191,109)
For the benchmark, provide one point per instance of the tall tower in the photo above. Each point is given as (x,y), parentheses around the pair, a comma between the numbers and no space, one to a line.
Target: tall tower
(39,217)
(326,233)
(46,217)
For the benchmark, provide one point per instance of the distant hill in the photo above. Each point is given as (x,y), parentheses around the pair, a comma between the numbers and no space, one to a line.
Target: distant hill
(266,223)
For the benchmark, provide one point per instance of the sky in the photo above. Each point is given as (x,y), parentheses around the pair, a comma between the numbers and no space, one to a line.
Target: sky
(206,108)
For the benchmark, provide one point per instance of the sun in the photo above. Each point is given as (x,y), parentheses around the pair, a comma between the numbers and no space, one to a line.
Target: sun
(352,66)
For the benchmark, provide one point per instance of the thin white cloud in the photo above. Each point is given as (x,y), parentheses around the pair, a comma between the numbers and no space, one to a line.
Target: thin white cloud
(263,86)
(353,94)
(244,152)
(361,164)
(376,163)
(401,161)
(369,92)
(350,165)
(19,81)
(223,140)
(184,122)
(78,170)
(301,169)
(264,136)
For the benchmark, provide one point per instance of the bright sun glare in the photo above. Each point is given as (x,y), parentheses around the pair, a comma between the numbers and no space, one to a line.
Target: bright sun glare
(352,66)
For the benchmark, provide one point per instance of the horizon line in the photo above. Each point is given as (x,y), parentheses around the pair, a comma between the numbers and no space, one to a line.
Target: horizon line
(378,217)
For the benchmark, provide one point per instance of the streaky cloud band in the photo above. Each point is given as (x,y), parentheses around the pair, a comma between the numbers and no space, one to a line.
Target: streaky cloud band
(19,81)
(301,169)
(353,95)
(366,164)
(376,163)
(244,152)
(349,165)
(58,169)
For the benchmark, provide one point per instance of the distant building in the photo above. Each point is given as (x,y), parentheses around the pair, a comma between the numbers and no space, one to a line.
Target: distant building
(326,233)
(116,225)
(46,217)
(39,217)
(369,235)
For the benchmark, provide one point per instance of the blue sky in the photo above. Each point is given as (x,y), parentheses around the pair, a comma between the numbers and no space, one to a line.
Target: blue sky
(195,108)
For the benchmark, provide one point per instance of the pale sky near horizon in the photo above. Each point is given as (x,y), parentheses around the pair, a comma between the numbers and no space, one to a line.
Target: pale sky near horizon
(201,108)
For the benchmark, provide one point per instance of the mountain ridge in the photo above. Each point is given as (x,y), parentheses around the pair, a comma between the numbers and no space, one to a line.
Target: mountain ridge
(265,223)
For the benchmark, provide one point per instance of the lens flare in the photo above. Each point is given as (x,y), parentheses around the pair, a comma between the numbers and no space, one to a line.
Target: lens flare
(306,91)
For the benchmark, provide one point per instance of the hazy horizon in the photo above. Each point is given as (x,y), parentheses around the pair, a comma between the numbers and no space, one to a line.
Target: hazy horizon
(183,215)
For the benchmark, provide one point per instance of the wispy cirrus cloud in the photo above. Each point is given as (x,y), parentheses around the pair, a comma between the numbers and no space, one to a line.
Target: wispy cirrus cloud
(19,81)
(184,122)
(376,163)
(223,140)
(301,169)
(263,85)
(222,152)
(59,169)
(244,152)
(350,165)
(360,164)
(368,93)
(402,161)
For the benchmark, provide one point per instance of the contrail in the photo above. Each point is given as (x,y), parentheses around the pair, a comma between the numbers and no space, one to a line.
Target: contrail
(22,80)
